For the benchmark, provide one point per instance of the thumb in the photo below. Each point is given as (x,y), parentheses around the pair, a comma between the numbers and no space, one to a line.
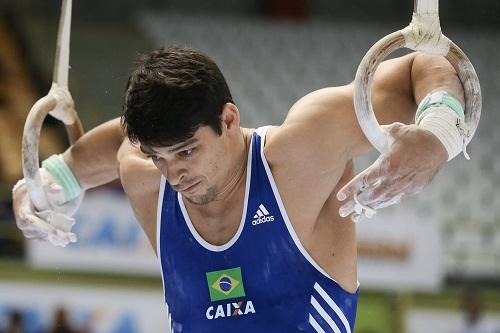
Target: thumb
(393,128)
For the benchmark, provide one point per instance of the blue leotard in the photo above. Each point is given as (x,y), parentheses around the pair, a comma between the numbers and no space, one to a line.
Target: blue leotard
(262,280)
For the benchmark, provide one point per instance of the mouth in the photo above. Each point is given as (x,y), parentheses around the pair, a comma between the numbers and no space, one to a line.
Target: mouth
(190,188)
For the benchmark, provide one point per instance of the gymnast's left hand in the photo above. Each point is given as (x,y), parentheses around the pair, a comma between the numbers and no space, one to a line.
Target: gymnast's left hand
(413,159)
(52,224)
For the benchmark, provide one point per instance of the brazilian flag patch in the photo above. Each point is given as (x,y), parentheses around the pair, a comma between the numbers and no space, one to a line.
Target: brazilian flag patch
(225,284)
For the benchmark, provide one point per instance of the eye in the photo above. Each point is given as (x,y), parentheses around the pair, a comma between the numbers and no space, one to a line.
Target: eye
(187,152)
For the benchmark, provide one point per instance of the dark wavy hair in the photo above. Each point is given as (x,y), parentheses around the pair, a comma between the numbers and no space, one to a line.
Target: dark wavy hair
(170,94)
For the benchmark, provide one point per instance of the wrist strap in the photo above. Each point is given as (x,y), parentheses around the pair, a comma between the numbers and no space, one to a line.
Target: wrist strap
(436,99)
(63,176)
(443,115)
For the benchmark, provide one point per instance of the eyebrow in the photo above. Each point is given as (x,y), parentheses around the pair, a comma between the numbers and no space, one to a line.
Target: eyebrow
(182,145)
(148,150)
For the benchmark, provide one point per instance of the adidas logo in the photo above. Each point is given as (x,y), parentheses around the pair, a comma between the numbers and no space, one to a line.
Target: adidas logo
(262,216)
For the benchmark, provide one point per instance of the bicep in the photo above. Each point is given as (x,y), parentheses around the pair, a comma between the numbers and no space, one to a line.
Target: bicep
(327,116)
(141,182)
(93,158)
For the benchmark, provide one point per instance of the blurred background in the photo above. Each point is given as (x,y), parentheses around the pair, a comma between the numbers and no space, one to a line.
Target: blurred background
(431,264)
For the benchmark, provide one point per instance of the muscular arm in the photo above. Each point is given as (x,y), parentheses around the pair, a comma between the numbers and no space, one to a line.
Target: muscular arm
(104,154)
(399,85)
(321,133)
(93,158)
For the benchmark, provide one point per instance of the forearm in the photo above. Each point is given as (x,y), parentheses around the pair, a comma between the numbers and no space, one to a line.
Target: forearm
(417,151)
(93,158)
(400,84)
(432,73)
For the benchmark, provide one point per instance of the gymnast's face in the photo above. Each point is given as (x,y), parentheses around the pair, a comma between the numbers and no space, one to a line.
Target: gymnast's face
(196,167)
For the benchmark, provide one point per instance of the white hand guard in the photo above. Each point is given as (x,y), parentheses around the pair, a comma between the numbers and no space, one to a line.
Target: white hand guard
(53,224)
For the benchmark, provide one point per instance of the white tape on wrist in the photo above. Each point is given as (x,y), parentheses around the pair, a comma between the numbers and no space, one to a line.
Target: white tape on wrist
(442,122)
(63,176)
(443,116)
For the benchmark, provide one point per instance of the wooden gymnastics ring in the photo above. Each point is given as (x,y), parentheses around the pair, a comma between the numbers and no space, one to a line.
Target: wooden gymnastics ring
(423,34)
(58,97)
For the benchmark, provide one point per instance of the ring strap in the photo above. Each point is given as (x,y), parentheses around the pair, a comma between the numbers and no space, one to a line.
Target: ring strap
(426,7)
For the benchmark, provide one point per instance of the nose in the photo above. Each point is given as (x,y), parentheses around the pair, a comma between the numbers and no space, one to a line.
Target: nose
(173,172)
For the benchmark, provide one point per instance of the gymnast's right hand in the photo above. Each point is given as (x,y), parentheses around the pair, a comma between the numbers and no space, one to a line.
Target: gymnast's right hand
(53,224)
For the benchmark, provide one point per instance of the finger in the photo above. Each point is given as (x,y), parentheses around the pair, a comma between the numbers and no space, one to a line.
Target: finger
(46,231)
(363,209)
(72,237)
(37,224)
(58,238)
(27,223)
(351,207)
(356,217)
(378,195)
(373,194)
(40,229)
(347,209)
(68,237)
(385,195)
(388,202)
(393,128)
(363,199)
(363,181)
(353,186)
(24,210)
(33,227)
(370,213)
(32,234)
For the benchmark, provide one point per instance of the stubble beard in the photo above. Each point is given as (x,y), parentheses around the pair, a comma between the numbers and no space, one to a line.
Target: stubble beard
(203,199)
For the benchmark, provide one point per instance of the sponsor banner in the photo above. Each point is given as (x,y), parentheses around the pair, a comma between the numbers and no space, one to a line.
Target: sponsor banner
(399,252)
(96,310)
(109,240)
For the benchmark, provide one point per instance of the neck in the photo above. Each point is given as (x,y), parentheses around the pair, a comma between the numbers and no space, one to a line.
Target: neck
(233,190)
(236,179)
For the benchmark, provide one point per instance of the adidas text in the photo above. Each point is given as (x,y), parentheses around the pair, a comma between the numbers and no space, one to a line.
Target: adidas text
(263,219)
(262,216)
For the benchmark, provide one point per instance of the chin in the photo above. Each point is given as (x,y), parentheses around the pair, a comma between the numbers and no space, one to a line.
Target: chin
(198,200)
(203,199)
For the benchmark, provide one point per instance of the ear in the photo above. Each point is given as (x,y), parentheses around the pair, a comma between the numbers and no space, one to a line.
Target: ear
(230,117)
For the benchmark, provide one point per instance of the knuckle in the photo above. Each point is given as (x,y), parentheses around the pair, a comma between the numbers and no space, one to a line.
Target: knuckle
(22,224)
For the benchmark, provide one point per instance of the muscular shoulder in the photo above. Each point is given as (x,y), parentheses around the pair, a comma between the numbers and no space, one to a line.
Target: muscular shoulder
(321,134)
(141,181)
(315,129)
(137,173)
(323,126)
(308,152)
